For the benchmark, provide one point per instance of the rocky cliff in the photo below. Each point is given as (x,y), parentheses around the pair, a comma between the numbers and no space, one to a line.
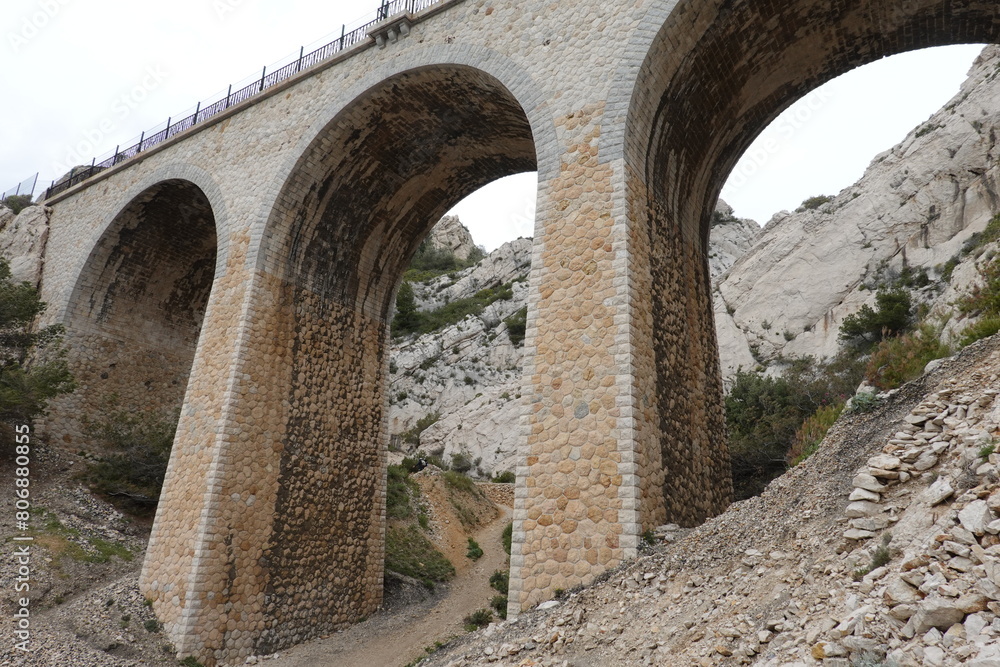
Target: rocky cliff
(914,208)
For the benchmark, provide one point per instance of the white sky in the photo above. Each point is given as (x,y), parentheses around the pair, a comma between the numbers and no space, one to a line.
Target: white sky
(81,76)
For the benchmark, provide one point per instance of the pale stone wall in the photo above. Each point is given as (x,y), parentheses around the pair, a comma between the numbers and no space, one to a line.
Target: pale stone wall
(270,530)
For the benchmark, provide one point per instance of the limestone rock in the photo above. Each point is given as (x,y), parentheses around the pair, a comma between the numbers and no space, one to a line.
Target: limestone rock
(936,612)
(916,204)
(449,233)
(22,242)
(939,491)
(900,592)
(976,517)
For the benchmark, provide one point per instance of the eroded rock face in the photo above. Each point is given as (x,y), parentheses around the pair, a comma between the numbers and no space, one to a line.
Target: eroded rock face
(451,234)
(22,241)
(916,205)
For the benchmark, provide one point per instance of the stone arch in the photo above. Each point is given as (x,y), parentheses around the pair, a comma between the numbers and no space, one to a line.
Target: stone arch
(529,95)
(299,539)
(715,74)
(135,312)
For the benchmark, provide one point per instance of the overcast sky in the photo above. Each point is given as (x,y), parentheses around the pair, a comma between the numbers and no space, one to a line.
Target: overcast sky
(80,76)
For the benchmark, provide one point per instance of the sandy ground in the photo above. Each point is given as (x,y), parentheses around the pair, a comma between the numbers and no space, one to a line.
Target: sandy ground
(394,639)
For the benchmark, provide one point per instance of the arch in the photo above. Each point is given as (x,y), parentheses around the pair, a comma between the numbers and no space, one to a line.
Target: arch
(135,313)
(714,76)
(304,541)
(180,171)
(517,82)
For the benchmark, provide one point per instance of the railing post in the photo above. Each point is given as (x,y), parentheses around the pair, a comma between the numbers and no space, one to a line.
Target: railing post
(196,110)
(302,52)
(166,133)
(262,77)
(92,163)
(229,94)
(343,33)
(114,160)
(142,137)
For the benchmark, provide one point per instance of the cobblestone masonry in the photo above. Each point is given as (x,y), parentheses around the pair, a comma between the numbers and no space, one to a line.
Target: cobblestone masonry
(253,262)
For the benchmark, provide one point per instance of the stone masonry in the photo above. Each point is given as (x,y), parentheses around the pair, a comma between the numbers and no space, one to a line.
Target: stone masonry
(243,272)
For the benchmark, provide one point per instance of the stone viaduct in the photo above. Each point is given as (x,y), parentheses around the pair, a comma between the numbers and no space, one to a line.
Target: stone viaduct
(242,272)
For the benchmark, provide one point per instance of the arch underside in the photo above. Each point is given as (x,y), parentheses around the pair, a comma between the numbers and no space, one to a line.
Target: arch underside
(702,97)
(137,309)
(348,221)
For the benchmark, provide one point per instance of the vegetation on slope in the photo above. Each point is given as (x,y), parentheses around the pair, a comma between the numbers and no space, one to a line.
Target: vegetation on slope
(33,367)
(135,449)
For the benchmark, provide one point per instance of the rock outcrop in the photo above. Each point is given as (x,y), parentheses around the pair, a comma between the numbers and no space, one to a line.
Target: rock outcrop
(449,233)
(915,207)
(22,241)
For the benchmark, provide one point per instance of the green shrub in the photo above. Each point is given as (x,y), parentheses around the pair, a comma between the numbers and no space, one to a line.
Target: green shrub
(864,401)
(500,581)
(499,605)
(720,218)
(898,360)
(813,203)
(983,328)
(412,436)
(927,129)
(881,556)
(989,234)
(986,451)
(891,317)
(913,278)
(136,450)
(517,325)
(458,482)
(505,477)
(478,619)
(400,490)
(461,463)
(448,314)
(507,537)
(763,414)
(33,367)
(409,553)
(17,203)
(984,299)
(811,433)
(948,268)
(473,551)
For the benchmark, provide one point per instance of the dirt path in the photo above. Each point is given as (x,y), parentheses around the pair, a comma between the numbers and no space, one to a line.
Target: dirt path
(396,639)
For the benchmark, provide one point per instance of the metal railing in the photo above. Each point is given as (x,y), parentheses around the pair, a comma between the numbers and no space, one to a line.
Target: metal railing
(204,111)
(25,187)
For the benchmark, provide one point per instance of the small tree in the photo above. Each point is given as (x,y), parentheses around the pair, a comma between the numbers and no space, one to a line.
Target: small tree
(33,366)
(763,415)
(891,317)
(407,317)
